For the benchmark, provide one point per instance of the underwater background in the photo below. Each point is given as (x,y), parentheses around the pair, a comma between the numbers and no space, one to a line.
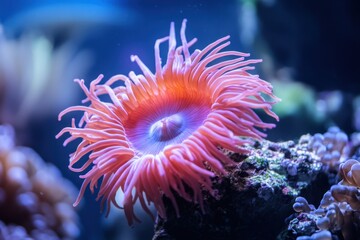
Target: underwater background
(310,51)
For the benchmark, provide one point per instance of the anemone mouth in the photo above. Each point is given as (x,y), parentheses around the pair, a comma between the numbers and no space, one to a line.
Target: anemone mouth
(167,119)
(167,128)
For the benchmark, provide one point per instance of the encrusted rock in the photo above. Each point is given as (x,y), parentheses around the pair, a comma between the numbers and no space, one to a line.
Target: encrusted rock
(254,199)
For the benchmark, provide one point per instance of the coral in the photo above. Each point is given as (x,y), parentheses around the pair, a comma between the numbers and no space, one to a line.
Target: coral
(322,235)
(336,214)
(330,147)
(338,211)
(301,205)
(35,200)
(160,133)
(350,172)
(348,194)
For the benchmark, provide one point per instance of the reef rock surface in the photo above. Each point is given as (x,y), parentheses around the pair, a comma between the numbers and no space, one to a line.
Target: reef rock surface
(255,199)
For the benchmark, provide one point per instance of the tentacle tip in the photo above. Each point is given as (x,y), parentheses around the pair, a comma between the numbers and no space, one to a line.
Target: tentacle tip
(133,58)
(276,99)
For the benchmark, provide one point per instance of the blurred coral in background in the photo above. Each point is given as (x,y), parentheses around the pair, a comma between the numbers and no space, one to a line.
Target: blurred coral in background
(32,72)
(43,47)
(35,200)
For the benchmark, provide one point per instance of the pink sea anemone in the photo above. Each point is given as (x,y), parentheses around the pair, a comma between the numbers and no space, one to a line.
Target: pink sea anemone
(160,134)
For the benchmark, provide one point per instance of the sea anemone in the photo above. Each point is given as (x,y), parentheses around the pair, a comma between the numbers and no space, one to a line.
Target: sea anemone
(162,134)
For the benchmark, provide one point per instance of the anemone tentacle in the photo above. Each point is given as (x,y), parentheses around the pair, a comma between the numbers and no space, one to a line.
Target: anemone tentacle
(160,132)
